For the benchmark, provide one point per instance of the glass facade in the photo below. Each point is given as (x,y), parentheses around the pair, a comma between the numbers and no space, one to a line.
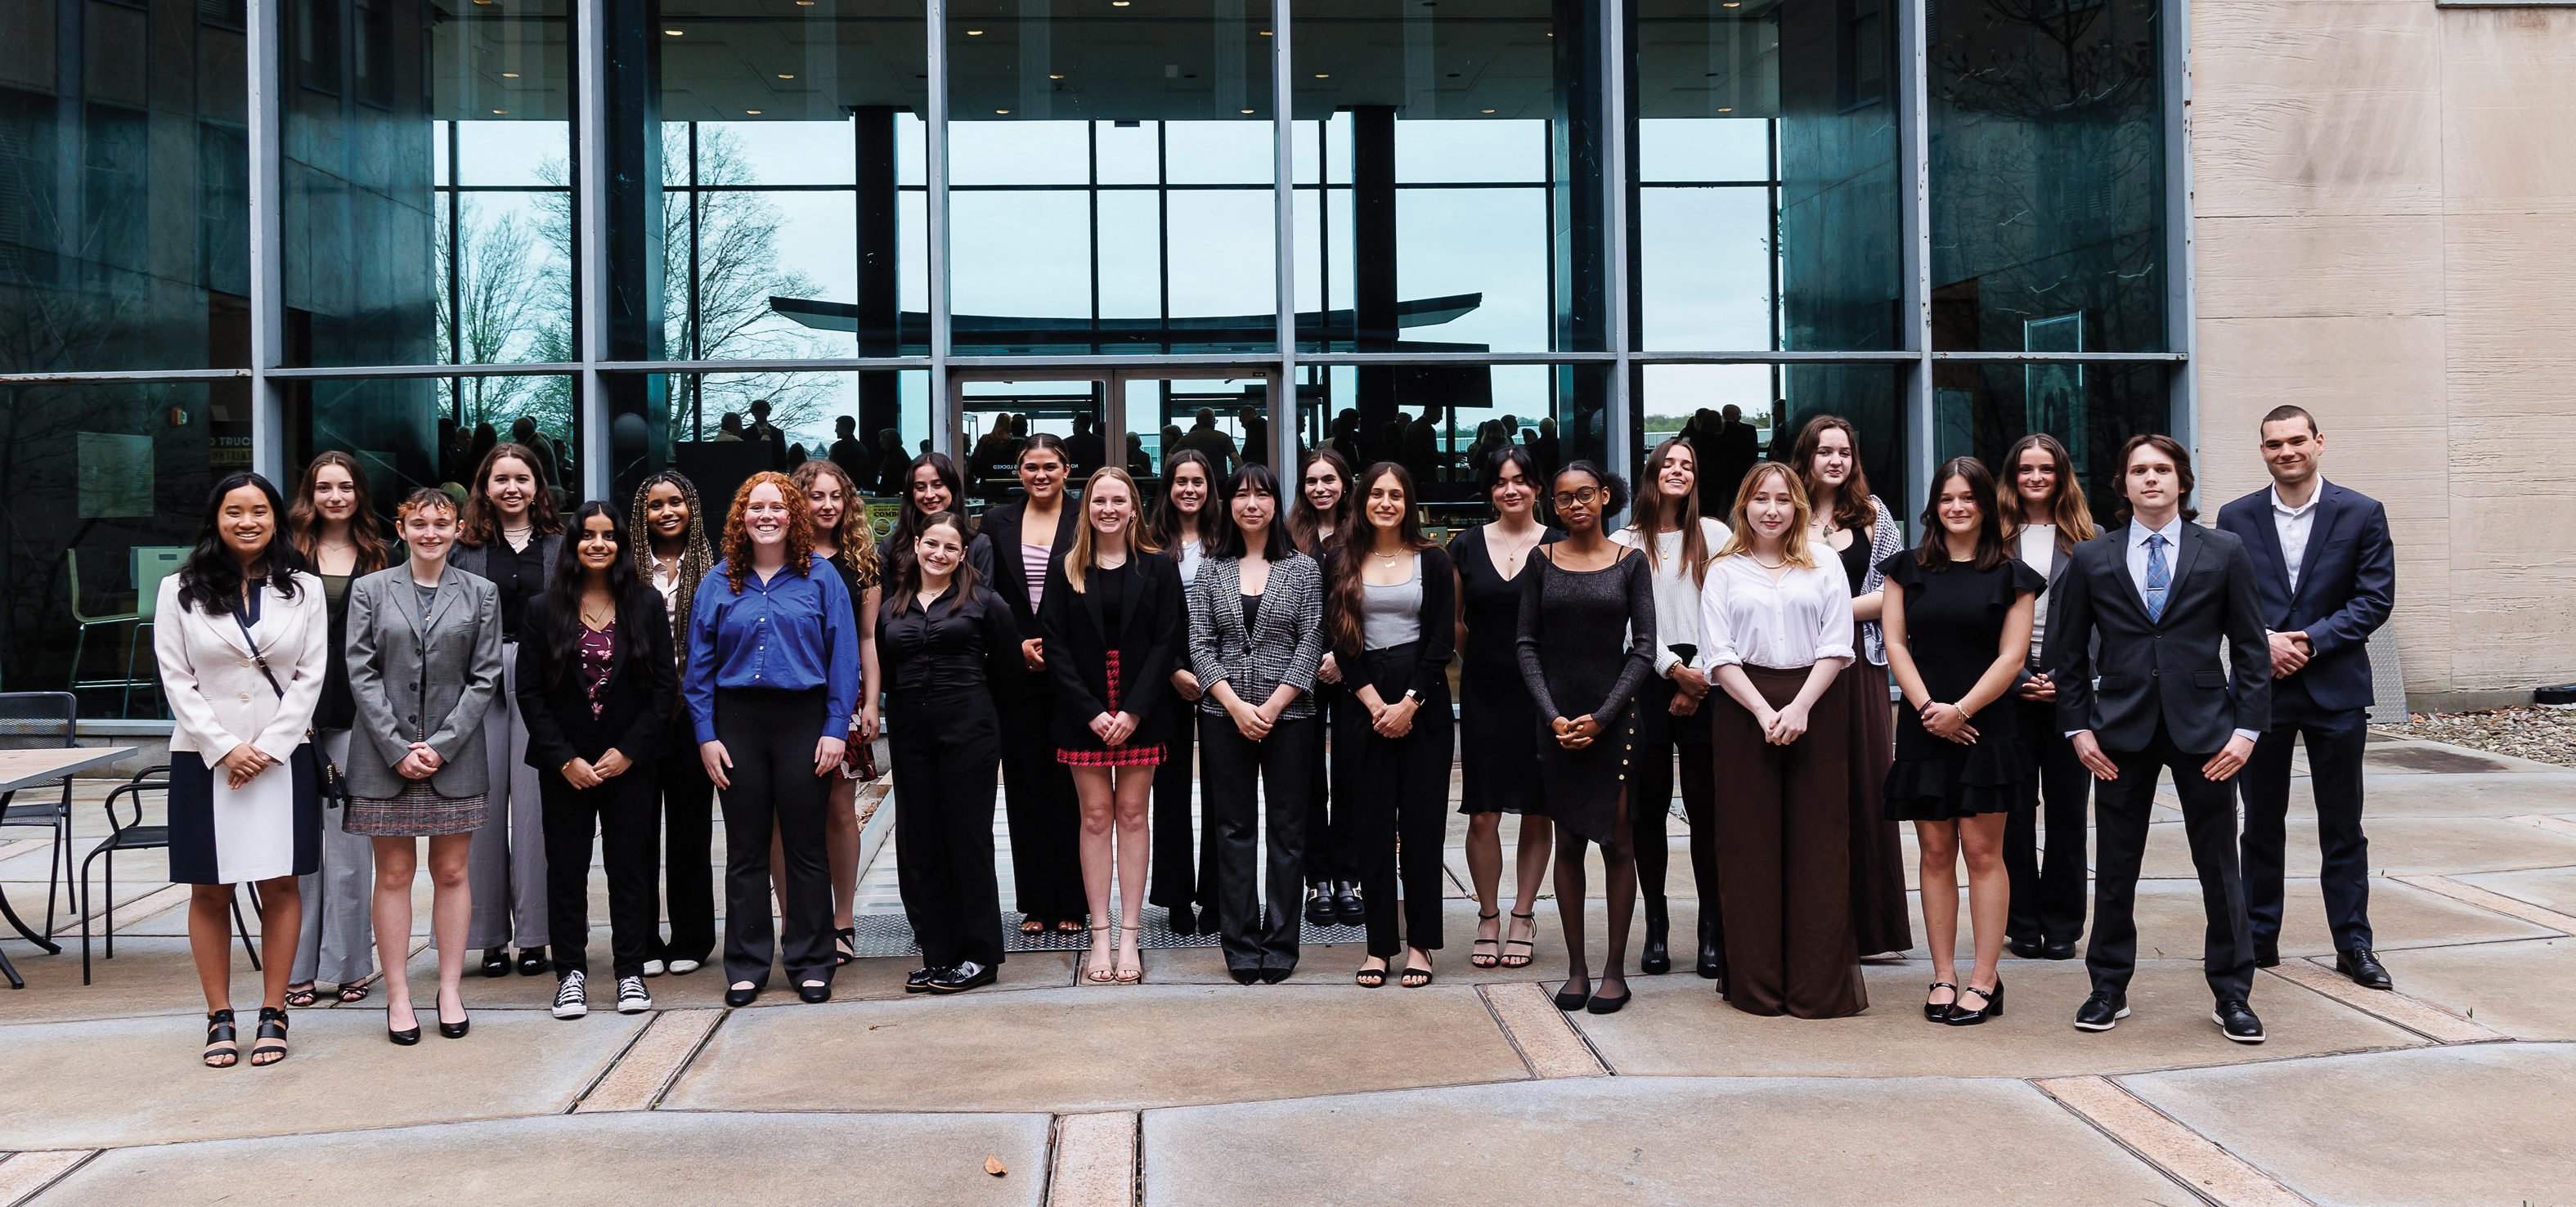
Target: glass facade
(252,230)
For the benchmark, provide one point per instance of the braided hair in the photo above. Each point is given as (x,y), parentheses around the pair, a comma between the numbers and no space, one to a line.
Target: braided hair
(696,557)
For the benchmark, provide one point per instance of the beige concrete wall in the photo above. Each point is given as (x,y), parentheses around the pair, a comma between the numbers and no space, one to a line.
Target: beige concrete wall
(2385,227)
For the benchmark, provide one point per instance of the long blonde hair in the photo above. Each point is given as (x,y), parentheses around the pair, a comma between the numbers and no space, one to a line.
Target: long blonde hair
(1077,562)
(854,542)
(2066,503)
(1793,546)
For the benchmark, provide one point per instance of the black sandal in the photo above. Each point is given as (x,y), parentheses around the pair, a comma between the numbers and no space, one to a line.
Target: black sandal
(355,991)
(849,935)
(1409,980)
(1369,978)
(1032,926)
(300,998)
(1478,959)
(219,1030)
(1522,960)
(272,1027)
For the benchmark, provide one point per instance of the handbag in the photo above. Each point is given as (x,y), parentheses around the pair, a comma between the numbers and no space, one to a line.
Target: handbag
(329,784)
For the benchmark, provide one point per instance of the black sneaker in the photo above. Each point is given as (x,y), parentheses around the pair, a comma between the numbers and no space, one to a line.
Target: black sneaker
(571,995)
(2237,1020)
(965,976)
(631,995)
(919,981)
(2102,1011)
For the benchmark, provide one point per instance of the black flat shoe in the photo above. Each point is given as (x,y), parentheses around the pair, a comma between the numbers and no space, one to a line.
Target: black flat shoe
(1571,1000)
(1182,920)
(1933,1011)
(403,1039)
(1656,958)
(741,997)
(969,975)
(2028,949)
(1347,904)
(814,994)
(1607,1005)
(2057,951)
(2363,967)
(1244,976)
(1961,1016)
(919,981)
(2102,1011)
(1712,961)
(1369,978)
(2236,1020)
(496,961)
(1319,904)
(1272,976)
(532,960)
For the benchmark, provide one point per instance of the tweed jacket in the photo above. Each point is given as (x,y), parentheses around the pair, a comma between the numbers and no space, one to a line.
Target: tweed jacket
(413,676)
(218,697)
(1287,646)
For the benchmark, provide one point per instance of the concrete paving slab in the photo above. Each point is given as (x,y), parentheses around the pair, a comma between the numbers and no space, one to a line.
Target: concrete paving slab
(2478,1123)
(137,1081)
(1079,1050)
(1326,964)
(2451,795)
(2402,916)
(23,1174)
(2398,846)
(2418,757)
(1095,1161)
(672,1160)
(2522,989)
(2404,1009)
(1679,1026)
(2213,1172)
(1646,1140)
(2550,888)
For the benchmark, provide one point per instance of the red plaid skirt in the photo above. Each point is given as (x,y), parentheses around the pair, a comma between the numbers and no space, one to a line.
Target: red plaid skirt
(1130,755)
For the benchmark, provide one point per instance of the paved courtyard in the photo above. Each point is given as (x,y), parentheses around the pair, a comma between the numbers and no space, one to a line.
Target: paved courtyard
(1188,1089)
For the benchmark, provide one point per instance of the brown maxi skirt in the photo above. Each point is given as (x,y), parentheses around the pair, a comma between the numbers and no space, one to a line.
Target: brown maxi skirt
(1784,855)
(1881,919)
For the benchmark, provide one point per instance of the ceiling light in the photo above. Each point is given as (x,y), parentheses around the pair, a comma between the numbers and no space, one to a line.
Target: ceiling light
(673,32)
(753,112)
(509,75)
(1117,3)
(503,111)
(1247,110)
(1265,33)
(1321,76)
(1055,77)
(974,33)
(1001,111)
(787,77)
(1488,110)
(1726,110)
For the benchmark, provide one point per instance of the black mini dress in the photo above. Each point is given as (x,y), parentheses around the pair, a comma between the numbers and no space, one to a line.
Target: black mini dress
(1953,620)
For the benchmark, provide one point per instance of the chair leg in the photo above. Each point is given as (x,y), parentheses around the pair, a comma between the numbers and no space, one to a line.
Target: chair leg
(84,912)
(107,931)
(79,642)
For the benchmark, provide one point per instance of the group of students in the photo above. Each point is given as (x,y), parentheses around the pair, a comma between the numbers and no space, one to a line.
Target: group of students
(511,692)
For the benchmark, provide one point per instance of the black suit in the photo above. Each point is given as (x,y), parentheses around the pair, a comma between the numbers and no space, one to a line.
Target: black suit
(2163,702)
(1037,791)
(634,719)
(2347,584)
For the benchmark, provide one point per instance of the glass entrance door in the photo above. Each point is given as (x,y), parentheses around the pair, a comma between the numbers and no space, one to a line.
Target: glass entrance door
(1133,418)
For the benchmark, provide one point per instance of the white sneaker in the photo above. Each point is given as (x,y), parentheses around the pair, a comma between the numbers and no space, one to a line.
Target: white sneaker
(652,967)
(631,998)
(571,996)
(683,967)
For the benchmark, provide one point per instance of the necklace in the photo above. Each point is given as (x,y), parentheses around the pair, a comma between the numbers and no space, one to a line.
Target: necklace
(599,620)
(1757,560)
(1388,558)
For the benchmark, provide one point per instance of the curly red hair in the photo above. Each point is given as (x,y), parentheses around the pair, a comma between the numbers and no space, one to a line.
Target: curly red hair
(737,535)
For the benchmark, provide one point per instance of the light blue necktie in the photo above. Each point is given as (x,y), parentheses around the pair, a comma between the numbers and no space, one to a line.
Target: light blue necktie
(2159,576)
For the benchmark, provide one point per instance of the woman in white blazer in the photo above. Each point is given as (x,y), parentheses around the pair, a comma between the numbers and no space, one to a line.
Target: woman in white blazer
(244,643)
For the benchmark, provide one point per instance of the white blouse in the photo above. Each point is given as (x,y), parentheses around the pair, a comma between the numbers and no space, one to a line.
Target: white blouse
(1676,594)
(1746,618)
(2039,552)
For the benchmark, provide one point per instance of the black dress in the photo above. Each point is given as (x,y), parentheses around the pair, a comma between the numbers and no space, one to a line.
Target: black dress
(1953,621)
(1495,714)
(1587,643)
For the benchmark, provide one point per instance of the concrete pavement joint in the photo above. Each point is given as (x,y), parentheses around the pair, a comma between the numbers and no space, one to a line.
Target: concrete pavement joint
(651,1062)
(2389,1006)
(1547,1042)
(1096,1160)
(25,1175)
(2178,1152)
(2555,824)
(2509,906)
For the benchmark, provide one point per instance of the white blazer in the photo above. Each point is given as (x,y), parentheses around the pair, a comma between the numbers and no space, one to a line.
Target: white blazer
(216,692)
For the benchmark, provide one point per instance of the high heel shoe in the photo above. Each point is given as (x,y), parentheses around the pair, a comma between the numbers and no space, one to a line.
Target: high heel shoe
(1935,1012)
(1994,1007)
(1712,960)
(401,1038)
(1486,959)
(455,1030)
(1656,957)
(1103,972)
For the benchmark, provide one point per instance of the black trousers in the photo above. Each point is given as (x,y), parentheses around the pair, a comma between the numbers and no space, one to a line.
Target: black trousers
(947,751)
(1184,867)
(2335,739)
(1044,814)
(1259,923)
(688,817)
(1331,846)
(1661,737)
(620,811)
(1395,803)
(770,736)
(2121,810)
(2047,891)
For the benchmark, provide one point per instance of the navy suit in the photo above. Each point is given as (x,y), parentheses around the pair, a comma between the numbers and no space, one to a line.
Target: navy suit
(2347,583)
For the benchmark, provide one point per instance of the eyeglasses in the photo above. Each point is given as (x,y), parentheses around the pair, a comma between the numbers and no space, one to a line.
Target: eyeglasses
(1583,496)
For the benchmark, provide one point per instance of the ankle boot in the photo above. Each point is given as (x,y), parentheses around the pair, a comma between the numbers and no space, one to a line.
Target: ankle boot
(1711,960)
(1656,957)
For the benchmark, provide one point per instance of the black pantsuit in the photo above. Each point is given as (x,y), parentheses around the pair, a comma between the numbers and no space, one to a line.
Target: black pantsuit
(1184,869)
(1037,791)
(1261,928)
(1660,737)
(2335,738)
(2122,808)
(1331,845)
(688,812)
(1395,800)
(2047,890)
(770,736)
(946,749)
(620,812)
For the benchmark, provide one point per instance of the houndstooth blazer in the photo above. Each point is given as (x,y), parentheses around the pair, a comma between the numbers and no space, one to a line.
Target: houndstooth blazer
(1287,646)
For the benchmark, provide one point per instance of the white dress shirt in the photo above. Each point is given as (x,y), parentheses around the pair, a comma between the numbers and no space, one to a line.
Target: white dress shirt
(2293,524)
(1745,618)
(1677,595)
(2039,552)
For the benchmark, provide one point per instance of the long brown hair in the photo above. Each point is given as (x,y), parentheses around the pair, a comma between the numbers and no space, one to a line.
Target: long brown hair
(1656,512)
(1077,561)
(854,543)
(1851,499)
(908,579)
(737,535)
(1343,596)
(304,520)
(1166,529)
(1793,543)
(480,521)
(1304,521)
(1933,551)
(2066,502)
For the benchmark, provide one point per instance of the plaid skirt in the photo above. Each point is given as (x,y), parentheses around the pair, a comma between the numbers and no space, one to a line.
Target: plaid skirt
(1130,755)
(417,811)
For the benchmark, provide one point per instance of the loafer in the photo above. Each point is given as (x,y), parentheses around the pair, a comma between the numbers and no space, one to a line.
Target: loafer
(2102,1011)
(741,997)
(919,981)
(814,994)
(2237,1021)
(2267,955)
(2363,967)
(1319,904)
(1347,903)
(496,961)
(2053,950)
(2028,949)
(532,960)
(969,975)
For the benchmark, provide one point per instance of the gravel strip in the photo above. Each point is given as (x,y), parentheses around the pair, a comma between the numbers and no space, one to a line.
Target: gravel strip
(2537,732)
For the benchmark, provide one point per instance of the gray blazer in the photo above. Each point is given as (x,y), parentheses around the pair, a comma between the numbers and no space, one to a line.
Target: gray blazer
(1287,646)
(413,676)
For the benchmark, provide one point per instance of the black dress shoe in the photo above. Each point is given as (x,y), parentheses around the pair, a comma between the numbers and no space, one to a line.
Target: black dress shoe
(2237,1019)
(1570,999)
(2363,968)
(2267,955)
(2102,1011)
(1712,961)
(919,981)
(1272,976)
(496,961)
(404,1038)
(1656,957)
(1934,1012)
(1607,1005)
(1347,903)
(2052,950)
(741,997)
(1319,904)
(1961,1016)
(1244,976)
(965,976)
(814,994)
(1182,920)
(456,1030)
(2028,949)
(532,960)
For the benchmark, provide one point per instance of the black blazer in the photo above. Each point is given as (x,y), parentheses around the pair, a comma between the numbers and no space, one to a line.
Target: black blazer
(2166,669)
(2347,585)
(643,691)
(1149,631)
(1431,650)
(1000,529)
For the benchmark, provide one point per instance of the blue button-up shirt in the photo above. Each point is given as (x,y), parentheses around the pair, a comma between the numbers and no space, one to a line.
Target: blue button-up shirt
(796,632)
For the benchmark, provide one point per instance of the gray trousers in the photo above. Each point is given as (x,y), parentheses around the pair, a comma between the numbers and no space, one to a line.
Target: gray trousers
(506,865)
(338,943)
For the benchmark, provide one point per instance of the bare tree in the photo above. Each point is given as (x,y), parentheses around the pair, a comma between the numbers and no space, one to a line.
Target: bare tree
(501,295)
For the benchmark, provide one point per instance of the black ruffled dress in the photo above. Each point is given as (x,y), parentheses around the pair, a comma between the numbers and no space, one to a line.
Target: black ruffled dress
(1953,620)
